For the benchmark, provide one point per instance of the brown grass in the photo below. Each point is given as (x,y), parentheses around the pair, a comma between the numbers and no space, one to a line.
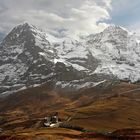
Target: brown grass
(94,109)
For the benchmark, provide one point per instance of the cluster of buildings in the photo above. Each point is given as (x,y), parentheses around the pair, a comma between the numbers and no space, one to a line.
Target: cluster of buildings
(51,120)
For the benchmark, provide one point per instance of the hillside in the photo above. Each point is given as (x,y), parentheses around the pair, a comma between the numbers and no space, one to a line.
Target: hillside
(93,109)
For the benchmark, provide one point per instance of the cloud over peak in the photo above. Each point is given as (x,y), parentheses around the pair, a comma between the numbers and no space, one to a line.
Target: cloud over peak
(64,17)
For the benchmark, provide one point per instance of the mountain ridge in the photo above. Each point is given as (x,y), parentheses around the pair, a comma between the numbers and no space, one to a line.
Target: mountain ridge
(29,57)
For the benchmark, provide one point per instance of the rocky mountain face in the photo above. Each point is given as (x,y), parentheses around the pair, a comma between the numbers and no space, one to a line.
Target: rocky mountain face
(118,51)
(29,56)
(25,58)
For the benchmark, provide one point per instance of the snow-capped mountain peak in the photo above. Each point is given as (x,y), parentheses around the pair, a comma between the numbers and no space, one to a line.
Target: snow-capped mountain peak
(26,58)
(29,56)
(115,28)
(119,52)
(19,34)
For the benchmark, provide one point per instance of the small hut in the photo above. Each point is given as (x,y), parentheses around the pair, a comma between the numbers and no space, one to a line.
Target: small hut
(51,119)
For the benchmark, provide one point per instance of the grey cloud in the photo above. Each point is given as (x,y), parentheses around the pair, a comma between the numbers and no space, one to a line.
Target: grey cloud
(73,17)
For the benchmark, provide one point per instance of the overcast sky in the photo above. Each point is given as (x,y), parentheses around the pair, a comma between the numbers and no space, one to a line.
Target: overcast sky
(70,17)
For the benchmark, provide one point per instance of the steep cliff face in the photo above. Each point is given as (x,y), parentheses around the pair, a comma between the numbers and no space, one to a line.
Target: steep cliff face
(25,58)
(29,56)
(118,51)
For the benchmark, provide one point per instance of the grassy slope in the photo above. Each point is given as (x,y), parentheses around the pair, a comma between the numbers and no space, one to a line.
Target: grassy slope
(92,109)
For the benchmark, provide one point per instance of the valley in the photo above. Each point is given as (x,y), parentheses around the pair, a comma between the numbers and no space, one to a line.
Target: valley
(91,83)
(99,112)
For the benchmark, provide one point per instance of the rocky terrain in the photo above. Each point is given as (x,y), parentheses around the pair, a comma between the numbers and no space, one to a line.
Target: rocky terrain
(29,57)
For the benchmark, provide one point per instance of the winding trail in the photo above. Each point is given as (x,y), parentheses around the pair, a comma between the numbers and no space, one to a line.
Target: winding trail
(138,89)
